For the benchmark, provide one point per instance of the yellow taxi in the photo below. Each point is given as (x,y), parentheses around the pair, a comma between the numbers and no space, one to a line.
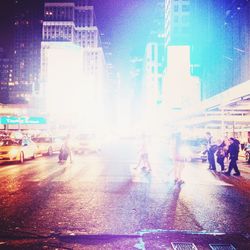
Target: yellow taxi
(47,145)
(17,150)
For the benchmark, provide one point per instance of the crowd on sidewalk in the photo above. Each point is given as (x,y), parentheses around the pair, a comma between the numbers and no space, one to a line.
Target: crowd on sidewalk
(228,150)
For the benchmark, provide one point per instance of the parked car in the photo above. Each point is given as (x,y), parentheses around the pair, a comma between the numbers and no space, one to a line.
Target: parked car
(47,145)
(194,149)
(17,150)
(247,153)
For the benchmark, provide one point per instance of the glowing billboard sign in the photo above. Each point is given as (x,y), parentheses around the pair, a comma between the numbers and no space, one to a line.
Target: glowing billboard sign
(22,120)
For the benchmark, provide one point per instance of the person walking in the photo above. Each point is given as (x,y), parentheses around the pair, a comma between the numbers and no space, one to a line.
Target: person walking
(178,158)
(211,149)
(221,154)
(233,151)
(65,151)
(143,162)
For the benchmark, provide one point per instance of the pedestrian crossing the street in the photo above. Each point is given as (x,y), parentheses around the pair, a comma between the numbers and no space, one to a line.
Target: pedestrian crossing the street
(164,175)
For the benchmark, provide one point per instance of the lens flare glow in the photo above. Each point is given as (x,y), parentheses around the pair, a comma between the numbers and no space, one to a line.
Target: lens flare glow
(71,96)
(65,87)
(181,90)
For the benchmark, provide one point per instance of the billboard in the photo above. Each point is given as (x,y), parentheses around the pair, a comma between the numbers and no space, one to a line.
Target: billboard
(12,120)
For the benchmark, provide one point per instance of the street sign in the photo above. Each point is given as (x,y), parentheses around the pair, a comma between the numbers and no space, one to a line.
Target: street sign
(22,120)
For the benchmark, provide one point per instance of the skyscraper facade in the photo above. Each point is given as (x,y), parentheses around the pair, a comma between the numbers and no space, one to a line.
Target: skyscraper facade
(177,22)
(236,53)
(6,77)
(225,59)
(26,57)
(180,27)
(71,38)
(73,22)
(152,75)
(154,57)
(190,23)
(218,36)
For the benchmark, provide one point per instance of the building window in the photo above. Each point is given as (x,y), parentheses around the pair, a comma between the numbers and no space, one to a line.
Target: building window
(176,8)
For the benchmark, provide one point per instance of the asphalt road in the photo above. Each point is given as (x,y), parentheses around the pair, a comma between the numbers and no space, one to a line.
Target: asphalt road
(101,202)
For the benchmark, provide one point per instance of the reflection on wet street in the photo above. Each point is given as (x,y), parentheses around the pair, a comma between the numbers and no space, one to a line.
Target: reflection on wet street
(103,193)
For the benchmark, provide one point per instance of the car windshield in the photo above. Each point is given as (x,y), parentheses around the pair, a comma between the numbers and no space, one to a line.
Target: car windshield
(10,143)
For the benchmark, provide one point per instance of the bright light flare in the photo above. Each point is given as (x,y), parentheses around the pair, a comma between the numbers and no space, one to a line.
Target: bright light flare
(181,90)
(65,86)
(185,151)
(70,92)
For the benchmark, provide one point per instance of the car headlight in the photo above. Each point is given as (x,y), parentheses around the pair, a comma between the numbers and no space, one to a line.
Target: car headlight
(13,152)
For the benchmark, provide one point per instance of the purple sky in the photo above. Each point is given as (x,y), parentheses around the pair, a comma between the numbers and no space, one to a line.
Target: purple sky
(125,23)
(120,20)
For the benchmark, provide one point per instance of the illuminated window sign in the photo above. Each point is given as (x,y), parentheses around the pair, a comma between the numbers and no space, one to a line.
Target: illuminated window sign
(22,120)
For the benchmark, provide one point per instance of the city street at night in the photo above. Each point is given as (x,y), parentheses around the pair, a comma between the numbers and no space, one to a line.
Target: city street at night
(125,124)
(100,201)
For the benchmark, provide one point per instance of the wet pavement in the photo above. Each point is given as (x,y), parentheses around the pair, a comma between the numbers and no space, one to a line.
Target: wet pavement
(101,202)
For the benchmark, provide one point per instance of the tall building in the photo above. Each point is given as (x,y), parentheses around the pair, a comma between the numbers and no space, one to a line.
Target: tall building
(6,77)
(70,32)
(181,90)
(177,22)
(152,75)
(147,72)
(225,59)
(26,58)
(236,51)
(73,22)
(201,25)
(218,35)
(185,21)
(154,57)
(182,24)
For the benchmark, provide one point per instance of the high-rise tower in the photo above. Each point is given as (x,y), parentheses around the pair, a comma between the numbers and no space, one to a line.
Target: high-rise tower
(26,58)
(74,22)
(6,77)
(71,45)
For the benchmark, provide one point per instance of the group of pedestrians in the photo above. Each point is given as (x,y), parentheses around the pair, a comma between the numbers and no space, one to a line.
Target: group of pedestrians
(228,149)
(177,157)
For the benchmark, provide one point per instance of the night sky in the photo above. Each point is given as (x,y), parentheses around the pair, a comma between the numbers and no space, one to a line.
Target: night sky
(6,33)
(126,24)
